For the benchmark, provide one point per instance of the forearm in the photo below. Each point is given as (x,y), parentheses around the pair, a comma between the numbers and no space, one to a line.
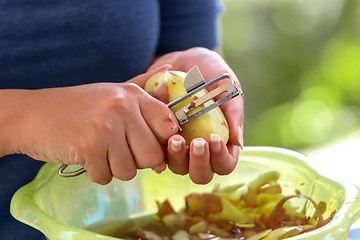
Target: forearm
(12,119)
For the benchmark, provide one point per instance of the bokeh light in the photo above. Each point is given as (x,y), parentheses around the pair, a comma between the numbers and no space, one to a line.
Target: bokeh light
(299,65)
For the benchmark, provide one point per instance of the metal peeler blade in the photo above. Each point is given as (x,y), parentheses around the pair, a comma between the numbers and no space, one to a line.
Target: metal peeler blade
(193,79)
(193,83)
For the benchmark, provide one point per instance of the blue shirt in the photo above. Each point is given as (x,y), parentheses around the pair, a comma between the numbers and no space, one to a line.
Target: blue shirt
(48,43)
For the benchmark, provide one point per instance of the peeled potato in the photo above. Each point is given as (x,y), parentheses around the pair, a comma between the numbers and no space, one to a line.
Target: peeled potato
(168,86)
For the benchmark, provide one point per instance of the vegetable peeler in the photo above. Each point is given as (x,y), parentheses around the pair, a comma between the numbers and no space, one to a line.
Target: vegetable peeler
(193,83)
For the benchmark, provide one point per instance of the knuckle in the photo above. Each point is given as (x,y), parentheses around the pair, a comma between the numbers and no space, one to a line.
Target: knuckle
(77,158)
(133,87)
(134,90)
(86,146)
(117,98)
(117,102)
(111,107)
(75,153)
(100,123)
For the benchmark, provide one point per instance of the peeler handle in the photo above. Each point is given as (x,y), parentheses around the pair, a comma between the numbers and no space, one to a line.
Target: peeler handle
(75,173)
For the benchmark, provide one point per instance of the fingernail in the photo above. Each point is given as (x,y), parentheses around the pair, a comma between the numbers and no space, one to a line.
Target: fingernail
(240,137)
(199,146)
(176,145)
(215,142)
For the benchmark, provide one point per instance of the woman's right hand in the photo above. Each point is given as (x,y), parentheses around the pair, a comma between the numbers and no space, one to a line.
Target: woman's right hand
(110,129)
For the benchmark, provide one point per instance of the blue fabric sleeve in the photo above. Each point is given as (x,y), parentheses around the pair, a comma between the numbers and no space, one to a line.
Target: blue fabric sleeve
(63,43)
(188,23)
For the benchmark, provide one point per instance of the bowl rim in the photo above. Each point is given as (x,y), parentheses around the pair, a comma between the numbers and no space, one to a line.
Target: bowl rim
(35,217)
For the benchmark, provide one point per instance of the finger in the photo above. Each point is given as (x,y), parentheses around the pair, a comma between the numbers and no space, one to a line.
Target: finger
(159,118)
(222,161)
(234,151)
(168,58)
(121,160)
(177,155)
(233,109)
(200,170)
(96,164)
(140,80)
(145,147)
(159,169)
(235,118)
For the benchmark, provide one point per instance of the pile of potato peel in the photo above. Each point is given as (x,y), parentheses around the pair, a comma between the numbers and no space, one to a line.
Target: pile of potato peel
(257,210)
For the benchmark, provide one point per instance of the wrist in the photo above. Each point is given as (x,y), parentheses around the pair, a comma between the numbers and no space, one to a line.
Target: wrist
(12,119)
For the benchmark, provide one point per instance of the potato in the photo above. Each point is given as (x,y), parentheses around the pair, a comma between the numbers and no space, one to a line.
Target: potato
(168,86)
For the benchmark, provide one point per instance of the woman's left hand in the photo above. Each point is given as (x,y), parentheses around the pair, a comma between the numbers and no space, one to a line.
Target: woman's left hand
(205,157)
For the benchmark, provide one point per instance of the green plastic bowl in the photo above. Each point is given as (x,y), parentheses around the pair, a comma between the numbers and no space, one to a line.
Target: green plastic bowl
(62,208)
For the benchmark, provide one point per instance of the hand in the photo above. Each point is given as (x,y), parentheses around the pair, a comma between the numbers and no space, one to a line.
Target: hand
(110,129)
(205,156)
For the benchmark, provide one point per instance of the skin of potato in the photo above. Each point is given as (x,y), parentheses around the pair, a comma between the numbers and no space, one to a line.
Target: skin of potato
(211,122)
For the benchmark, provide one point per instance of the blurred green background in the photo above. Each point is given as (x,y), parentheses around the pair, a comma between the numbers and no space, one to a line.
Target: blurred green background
(299,65)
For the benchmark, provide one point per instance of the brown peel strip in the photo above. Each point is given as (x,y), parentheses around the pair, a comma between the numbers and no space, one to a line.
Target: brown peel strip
(279,214)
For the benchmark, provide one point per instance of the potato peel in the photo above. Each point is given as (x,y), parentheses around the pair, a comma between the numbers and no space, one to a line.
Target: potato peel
(218,215)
